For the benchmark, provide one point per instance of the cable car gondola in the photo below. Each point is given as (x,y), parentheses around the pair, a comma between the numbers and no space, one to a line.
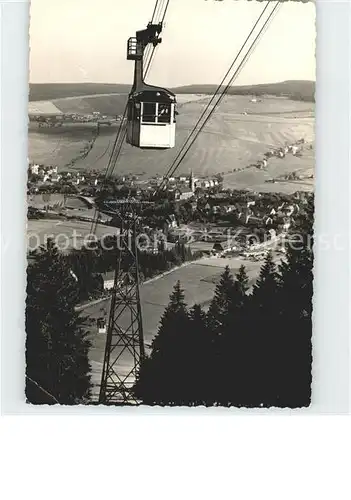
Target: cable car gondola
(151,109)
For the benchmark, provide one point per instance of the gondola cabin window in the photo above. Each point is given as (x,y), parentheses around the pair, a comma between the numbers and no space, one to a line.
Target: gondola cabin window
(156,112)
(134,111)
(149,112)
(164,112)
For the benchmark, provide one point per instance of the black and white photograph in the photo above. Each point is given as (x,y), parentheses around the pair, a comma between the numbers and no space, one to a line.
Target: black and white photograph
(170,203)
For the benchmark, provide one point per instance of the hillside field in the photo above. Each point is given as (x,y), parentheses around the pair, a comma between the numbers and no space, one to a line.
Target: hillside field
(106,104)
(67,234)
(230,140)
(47,91)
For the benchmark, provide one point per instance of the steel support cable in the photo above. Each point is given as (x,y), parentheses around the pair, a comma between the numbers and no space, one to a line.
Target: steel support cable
(155,9)
(113,158)
(149,63)
(104,153)
(146,54)
(218,89)
(176,163)
(162,11)
(147,57)
(159,12)
(165,12)
(148,60)
(116,149)
(150,52)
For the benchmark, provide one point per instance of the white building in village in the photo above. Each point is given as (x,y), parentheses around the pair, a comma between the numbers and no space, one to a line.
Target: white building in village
(109,280)
(34,169)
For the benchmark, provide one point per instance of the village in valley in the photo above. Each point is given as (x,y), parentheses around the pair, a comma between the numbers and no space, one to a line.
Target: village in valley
(196,211)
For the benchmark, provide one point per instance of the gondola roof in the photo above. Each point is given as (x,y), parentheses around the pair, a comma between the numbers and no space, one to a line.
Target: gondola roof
(152,93)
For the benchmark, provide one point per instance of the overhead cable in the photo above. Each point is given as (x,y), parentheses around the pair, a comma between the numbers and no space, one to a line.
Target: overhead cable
(180,156)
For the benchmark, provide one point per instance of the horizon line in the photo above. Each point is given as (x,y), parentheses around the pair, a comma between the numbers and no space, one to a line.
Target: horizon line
(181,85)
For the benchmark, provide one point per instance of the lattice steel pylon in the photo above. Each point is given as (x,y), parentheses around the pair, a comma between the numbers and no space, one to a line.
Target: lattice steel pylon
(124,349)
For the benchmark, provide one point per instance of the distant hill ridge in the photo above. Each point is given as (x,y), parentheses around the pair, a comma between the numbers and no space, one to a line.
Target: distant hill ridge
(302,89)
(295,89)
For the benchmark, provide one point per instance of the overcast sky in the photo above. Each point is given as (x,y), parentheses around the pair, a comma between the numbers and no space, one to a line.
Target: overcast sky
(85,41)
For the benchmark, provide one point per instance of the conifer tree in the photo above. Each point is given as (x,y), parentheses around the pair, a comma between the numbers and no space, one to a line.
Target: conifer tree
(200,360)
(242,280)
(227,321)
(296,291)
(56,344)
(219,322)
(266,286)
(264,332)
(237,344)
(161,379)
(221,304)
